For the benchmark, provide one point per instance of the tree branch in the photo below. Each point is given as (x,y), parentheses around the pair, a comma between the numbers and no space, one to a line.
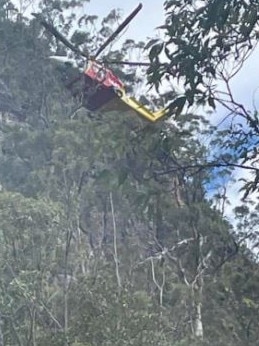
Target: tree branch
(115,255)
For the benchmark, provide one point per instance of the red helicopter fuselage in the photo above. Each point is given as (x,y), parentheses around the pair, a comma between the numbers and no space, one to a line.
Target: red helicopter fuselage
(101,86)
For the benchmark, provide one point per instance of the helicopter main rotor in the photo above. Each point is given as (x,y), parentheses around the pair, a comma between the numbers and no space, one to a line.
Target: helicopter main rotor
(86,55)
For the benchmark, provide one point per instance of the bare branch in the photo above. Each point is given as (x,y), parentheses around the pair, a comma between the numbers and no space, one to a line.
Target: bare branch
(115,255)
(158,285)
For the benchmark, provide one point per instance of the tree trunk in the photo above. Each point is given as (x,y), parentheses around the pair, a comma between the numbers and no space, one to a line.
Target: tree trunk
(197,315)
(1,332)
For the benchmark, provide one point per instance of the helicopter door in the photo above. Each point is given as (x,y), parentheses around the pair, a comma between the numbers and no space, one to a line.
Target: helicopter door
(100,86)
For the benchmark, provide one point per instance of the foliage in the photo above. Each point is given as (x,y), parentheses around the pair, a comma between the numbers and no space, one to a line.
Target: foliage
(106,236)
(203,40)
(206,44)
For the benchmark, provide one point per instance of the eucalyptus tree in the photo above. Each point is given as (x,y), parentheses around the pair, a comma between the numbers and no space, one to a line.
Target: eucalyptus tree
(205,46)
(106,232)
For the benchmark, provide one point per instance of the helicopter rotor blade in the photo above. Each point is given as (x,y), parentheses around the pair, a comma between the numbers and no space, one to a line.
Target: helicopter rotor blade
(128,63)
(118,30)
(58,35)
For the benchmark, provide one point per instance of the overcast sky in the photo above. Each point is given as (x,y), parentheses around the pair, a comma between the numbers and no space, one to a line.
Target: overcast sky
(143,25)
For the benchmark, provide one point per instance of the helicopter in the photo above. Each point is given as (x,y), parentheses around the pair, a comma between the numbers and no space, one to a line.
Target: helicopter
(101,88)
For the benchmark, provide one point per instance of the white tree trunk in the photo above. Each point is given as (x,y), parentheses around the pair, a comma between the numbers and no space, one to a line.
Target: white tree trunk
(197,321)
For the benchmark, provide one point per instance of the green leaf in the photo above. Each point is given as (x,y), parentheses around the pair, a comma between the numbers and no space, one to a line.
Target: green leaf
(155,51)
(151,43)
(177,105)
(211,102)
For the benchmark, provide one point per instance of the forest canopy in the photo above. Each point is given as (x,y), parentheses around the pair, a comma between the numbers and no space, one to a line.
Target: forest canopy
(110,234)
